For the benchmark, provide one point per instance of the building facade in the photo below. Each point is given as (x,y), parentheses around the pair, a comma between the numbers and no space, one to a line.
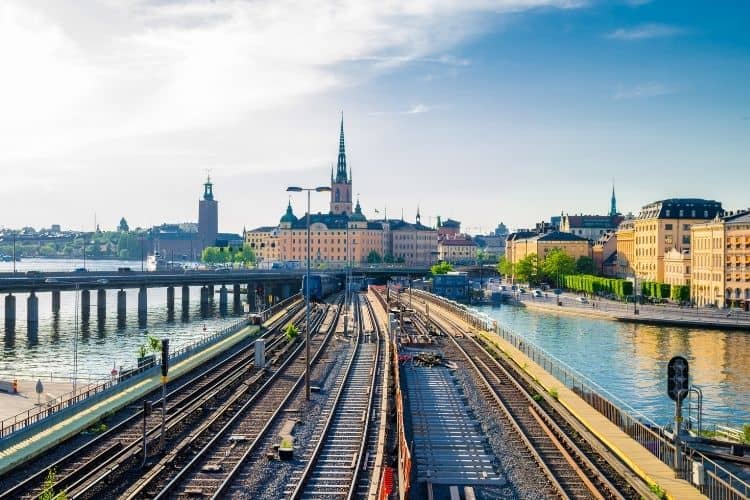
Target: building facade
(604,254)
(677,268)
(664,225)
(591,227)
(720,273)
(541,244)
(457,250)
(413,244)
(264,241)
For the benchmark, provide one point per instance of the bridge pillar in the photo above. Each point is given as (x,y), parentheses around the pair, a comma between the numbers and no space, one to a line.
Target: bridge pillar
(142,306)
(32,313)
(101,302)
(237,299)
(170,301)
(10,312)
(211,293)
(85,305)
(55,301)
(223,300)
(121,309)
(185,300)
(204,300)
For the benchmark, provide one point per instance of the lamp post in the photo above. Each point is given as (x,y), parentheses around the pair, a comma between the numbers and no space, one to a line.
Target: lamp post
(297,189)
(77,285)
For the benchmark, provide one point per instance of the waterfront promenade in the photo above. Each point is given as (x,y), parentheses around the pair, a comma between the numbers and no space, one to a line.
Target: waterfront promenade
(652,314)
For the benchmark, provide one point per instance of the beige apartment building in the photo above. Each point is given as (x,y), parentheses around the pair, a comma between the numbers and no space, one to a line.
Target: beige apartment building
(625,236)
(665,225)
(457,250)
(677,268)
(721,261)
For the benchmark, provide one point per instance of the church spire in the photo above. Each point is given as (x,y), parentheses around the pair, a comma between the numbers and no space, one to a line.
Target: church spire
(341,174)
(208,189)
(613,202)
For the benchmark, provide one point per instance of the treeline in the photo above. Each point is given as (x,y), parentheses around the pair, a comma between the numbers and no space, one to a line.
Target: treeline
(656,290)
(104,244)
(228,255)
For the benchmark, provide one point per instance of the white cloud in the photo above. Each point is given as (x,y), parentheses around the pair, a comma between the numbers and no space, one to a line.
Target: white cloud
(130,68)
(646,31)
(644,90)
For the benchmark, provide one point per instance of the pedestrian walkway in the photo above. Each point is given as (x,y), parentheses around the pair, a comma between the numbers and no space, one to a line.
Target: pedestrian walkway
(55,434)
(635,456)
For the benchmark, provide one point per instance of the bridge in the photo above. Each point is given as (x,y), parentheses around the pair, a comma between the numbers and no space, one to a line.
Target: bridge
(276,284)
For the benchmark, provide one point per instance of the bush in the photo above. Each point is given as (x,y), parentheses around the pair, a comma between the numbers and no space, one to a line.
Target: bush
(553,392)
(596,284)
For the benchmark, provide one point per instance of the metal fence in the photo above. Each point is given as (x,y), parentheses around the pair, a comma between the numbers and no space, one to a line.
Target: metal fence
(22,420)
(710,478)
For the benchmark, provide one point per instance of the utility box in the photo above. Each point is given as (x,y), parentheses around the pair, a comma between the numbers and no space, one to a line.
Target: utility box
(699,474)
(260,353)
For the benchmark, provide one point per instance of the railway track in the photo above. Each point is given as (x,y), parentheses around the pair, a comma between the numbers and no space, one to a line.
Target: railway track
(336,460)
(572,469)
(83,466)
(206,464)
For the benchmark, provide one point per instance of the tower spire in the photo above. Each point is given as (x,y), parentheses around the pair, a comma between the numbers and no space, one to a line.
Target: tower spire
(613,201)
(341,173)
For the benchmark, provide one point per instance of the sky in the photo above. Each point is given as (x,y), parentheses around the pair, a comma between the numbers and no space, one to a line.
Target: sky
(478,110)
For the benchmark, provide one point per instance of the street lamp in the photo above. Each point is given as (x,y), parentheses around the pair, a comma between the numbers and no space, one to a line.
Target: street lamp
(297,189)
(75,320)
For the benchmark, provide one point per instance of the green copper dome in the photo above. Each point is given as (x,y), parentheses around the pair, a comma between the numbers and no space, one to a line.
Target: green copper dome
(289,215)
(357,216)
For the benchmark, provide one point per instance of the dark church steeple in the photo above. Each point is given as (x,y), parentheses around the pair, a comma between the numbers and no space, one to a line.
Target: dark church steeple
(613,202)
(341,183)
(341,174)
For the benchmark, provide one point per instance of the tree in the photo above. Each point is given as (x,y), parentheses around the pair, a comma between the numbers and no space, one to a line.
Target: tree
(374,257)
(527,269)
(481,256)
(505,266)
(244,256)
(388,258)
(558,264)
(585,265)
(441,268)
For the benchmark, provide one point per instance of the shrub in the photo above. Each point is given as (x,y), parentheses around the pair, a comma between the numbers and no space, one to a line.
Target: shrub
(553,392)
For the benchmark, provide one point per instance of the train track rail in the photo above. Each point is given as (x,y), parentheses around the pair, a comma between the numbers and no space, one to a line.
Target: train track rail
(336,460)
(557,449)
(86,463)
(206,465)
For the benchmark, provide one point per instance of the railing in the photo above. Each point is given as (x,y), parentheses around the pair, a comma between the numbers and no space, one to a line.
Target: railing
(11,425)
(717,482)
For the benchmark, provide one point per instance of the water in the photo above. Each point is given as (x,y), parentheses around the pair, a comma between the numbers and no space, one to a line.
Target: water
(630,360)
(101,345)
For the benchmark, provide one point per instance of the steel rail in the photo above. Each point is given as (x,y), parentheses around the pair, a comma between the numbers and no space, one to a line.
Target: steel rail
(84,485)
(202,453)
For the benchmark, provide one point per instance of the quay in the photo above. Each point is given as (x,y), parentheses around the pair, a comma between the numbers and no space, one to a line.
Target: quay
(638,459)
(647,314)
(17,451)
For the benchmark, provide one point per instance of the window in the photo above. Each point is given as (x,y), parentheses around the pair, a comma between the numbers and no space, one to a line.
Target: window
(668,227)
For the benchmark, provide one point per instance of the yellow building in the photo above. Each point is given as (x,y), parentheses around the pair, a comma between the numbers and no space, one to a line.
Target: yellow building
(541,244)
(265,243)
(664,225)
(625,248)
(721,261)
(677,268)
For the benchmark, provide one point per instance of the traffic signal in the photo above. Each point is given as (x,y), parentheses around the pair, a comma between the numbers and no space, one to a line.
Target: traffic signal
(164,357)
(678,380)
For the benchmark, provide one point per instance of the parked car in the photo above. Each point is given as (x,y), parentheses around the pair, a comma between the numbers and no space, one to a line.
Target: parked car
(80,270)
(521,290)
(583,300)
(537,293)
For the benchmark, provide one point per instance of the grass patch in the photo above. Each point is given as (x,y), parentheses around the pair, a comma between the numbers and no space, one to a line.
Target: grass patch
(553,392)
(658,490)
(97,428)
(536,397)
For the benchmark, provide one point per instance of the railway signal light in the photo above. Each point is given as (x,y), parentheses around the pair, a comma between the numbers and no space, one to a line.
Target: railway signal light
(678,382)
(164,357)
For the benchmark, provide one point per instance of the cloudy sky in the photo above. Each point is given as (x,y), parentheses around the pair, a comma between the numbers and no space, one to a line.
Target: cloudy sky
(478,110)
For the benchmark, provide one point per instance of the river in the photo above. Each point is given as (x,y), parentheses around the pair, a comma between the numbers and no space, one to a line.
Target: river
(630,360)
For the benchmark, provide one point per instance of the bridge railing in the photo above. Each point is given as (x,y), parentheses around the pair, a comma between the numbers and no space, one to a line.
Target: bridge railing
(710,478)
(23,420)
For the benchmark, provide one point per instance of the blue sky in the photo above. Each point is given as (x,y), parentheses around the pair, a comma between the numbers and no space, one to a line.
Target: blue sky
(481,111)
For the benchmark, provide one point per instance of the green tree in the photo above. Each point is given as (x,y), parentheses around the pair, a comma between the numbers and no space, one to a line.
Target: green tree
(585,265)
(244,256)
(481,256)
(527,269)
(505,266)
(374,257)
(441,268)
(558,264)
(388,258)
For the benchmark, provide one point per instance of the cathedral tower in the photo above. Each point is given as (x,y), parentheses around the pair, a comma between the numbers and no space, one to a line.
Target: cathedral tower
(341,184)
